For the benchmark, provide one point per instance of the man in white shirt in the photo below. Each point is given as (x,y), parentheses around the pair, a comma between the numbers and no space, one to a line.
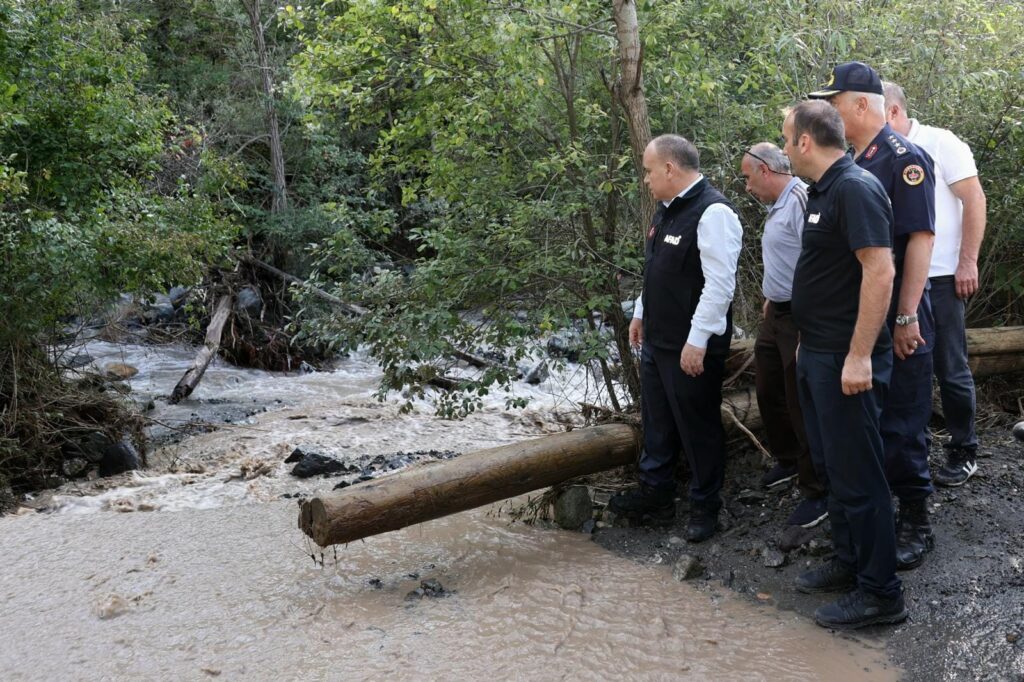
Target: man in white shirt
(683,321)
(953,276)
(770,180)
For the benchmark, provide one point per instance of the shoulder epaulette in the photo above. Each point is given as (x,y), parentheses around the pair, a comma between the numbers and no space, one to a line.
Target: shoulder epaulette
(897,145)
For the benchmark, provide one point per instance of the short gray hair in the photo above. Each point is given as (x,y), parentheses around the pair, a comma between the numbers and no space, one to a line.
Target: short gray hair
(771,156)
(678,150)
(894,95)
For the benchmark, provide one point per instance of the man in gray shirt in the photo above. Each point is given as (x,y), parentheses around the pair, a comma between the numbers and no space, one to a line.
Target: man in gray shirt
(770,180)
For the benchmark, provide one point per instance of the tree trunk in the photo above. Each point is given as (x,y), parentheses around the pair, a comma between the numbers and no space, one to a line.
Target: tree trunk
(475,479)
(206,352)
(280,198)
(629,88)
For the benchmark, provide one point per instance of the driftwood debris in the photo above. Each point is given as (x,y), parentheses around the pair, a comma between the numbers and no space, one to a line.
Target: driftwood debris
(207,351)
(475,479)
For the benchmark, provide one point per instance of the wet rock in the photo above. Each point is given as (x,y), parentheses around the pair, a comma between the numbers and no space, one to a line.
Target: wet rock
(74,467)
(675,541)
(341,485)
(795,536)
(432,588)
(537,373)
(573,507)
(77,360)
(567,344)
(773,558)
(119,371)
(588,526)
(1012,637)
(119,458)
(415,595)
(687,567)
(314,464)
(160,312)
(249,302)
(376,583)
(1018,431)
(177,296)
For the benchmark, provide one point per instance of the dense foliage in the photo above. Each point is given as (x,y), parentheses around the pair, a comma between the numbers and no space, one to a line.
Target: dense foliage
(495,122)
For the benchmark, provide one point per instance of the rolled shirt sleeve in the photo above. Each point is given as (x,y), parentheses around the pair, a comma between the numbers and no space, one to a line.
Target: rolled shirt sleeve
(719,238)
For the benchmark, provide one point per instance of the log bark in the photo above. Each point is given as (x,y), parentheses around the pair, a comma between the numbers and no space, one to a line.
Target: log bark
(206,353)
(292,279)
(472,480)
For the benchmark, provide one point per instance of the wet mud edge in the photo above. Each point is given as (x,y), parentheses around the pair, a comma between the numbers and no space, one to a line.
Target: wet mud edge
(966,601)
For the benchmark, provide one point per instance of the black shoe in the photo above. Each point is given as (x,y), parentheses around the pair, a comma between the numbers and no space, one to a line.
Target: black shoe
(809,513)
(646,504)
(859,609)
(961,464)
(703,523)
(913,535)
(833,576)
(778,475)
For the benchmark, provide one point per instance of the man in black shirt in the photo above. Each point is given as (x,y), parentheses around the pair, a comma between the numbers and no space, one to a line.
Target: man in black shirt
(907,175)
(841,291)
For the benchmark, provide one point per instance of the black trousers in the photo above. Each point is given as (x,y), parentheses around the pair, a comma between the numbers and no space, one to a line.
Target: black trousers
(907,410)
(681,412)
(778,399)
(843,434)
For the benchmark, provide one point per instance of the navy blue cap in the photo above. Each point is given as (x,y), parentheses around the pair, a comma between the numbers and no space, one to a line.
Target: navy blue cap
(850,76)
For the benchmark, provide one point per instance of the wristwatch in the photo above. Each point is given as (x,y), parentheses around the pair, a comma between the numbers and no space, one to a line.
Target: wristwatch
(904,320)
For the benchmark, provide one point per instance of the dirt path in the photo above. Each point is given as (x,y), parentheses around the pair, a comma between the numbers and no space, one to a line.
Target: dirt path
(966,601)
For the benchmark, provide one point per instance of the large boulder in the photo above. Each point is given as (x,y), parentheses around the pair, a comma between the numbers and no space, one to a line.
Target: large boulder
(100,450)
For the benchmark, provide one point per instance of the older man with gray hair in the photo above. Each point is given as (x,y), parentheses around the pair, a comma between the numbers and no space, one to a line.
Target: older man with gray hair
(959,229)
(770,180)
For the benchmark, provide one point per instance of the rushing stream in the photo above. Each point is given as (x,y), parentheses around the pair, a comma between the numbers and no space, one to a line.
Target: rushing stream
(195,569)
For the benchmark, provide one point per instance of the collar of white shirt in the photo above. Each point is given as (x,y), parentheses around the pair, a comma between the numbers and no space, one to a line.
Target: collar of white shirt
(685,190)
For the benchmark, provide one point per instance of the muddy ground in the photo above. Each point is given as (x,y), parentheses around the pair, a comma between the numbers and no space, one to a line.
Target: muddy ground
(966,601)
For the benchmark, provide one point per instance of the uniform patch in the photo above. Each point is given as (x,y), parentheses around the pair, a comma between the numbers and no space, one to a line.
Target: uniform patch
(672,239)
(650,232)
(913,175)
(813,218)
(872,150)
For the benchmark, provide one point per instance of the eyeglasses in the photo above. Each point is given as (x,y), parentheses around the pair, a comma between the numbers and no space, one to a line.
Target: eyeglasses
(767,165)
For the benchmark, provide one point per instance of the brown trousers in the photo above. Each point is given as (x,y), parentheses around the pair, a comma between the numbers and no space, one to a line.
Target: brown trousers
(777,399)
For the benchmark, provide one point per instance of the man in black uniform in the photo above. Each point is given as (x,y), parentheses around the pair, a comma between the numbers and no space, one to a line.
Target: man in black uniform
(683,320)
(907,174)
(841,291)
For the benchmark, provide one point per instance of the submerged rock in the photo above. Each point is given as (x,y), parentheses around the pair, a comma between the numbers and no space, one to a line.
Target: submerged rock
(311,464)
(537,373)
(574,507)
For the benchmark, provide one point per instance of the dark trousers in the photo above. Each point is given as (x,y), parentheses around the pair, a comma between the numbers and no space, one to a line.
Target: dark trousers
(778,399)
(956,383)
(906,412)
(682,412)
(842,432)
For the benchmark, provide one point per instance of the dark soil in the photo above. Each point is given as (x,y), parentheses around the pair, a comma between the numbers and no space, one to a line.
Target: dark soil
(966,601)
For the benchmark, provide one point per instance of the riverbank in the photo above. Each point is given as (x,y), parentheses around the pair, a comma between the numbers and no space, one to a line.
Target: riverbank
(966,601)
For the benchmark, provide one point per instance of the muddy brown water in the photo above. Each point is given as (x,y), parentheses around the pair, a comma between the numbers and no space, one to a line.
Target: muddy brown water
(216,581)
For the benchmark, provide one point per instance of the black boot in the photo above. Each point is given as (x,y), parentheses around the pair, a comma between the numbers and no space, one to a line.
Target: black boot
(913,534)
(858,609)
(646,504)
(703,523)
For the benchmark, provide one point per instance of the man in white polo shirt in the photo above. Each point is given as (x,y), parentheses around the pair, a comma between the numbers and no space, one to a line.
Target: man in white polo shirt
(953,276)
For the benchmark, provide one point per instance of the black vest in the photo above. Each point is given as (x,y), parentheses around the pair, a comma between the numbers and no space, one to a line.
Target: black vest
(673,278)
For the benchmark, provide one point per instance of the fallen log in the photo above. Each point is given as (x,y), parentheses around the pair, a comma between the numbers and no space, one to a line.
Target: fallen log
(469,481)
(206,353)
